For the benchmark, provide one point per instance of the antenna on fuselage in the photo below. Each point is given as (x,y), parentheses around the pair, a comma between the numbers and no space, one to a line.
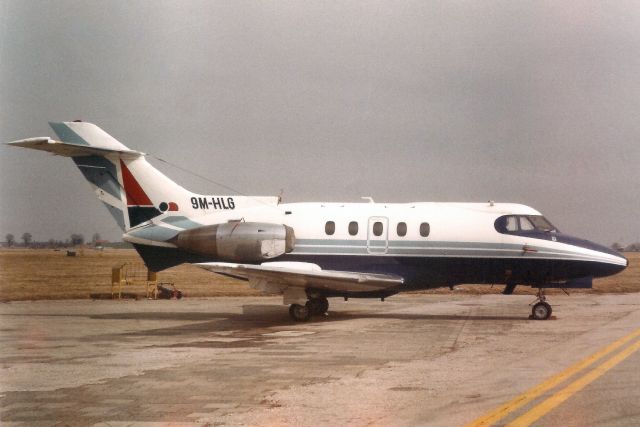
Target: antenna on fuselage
(190,172)
(369,198)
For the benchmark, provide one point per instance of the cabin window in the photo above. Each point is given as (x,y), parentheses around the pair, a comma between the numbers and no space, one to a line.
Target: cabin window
(353,228)
(425,229)
(401,229)
(512,223)
(378,228)
(330,228)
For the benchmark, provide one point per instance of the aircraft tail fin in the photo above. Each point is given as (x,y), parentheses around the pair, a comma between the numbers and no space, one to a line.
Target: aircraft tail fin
(131,188)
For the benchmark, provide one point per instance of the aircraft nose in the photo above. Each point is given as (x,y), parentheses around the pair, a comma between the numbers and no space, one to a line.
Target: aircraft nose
(621,267)
(616,265)
(605,261)
(626,261)
(623,261)
(613,261)
(610,264)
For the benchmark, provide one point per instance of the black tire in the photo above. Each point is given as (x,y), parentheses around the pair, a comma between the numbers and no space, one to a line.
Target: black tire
(541,311)
(325,305)
(318,306)
(300,313)
(178,295)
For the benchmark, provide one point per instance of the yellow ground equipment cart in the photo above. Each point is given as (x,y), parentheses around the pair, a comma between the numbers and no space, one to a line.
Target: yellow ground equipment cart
(133,274)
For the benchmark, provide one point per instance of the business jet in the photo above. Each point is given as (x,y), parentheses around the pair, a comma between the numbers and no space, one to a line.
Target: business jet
(309,252)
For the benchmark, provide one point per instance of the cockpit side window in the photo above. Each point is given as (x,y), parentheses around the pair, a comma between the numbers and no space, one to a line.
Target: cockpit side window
(511,224)
(514,224)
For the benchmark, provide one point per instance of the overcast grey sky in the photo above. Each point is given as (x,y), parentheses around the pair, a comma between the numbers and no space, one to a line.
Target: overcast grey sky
(531,102)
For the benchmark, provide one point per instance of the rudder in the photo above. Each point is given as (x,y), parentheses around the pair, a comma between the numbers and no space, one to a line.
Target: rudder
(132,189)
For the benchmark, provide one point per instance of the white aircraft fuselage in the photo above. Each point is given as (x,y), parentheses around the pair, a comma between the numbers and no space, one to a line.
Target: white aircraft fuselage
(462,245)
(312,251)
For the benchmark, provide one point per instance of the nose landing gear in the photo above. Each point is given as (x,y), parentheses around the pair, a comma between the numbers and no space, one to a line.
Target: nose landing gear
(541,309)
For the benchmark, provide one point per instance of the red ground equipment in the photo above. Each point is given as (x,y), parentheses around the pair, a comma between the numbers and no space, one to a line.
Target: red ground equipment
(168,291)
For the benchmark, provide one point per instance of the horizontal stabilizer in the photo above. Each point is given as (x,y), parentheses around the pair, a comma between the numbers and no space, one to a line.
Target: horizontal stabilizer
(68,149)
(306,275)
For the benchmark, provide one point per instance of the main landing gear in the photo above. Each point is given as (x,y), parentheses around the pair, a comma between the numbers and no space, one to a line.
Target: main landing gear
(541,309)
(313,307)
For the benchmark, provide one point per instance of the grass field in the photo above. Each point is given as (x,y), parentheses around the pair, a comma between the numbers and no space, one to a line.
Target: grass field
(27,274)
(46,274)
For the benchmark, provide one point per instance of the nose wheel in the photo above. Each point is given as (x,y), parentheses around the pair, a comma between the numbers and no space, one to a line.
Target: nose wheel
(541,309)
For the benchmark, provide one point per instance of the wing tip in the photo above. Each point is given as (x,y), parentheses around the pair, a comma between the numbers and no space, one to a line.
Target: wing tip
(29,141)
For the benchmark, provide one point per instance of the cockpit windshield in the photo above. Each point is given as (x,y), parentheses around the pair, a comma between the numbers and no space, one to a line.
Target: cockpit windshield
(541,223)
(523,223)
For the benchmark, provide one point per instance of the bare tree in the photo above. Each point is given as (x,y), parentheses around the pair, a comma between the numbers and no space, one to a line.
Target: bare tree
(634,247)
(617,247)
(77,239)
(10,239)
(26,238)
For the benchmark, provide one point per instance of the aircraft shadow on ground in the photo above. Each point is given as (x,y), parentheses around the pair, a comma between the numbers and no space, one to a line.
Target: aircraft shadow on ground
(411,316)
(255,318)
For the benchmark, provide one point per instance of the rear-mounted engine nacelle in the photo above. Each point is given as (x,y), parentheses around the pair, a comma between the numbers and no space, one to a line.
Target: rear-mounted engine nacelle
(238,241)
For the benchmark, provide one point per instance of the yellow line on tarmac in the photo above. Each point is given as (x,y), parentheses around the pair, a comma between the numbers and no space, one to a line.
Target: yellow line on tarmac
(531,394)
(552,402)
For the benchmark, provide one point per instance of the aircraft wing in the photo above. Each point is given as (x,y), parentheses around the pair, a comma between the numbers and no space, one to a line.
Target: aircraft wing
(272,276)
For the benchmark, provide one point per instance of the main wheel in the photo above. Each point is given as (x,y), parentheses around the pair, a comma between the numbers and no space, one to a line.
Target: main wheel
(299,313)
(325,305)
(541,311)
(318,306)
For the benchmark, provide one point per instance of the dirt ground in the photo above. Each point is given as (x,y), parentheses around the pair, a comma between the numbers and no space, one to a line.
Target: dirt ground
(29,274)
